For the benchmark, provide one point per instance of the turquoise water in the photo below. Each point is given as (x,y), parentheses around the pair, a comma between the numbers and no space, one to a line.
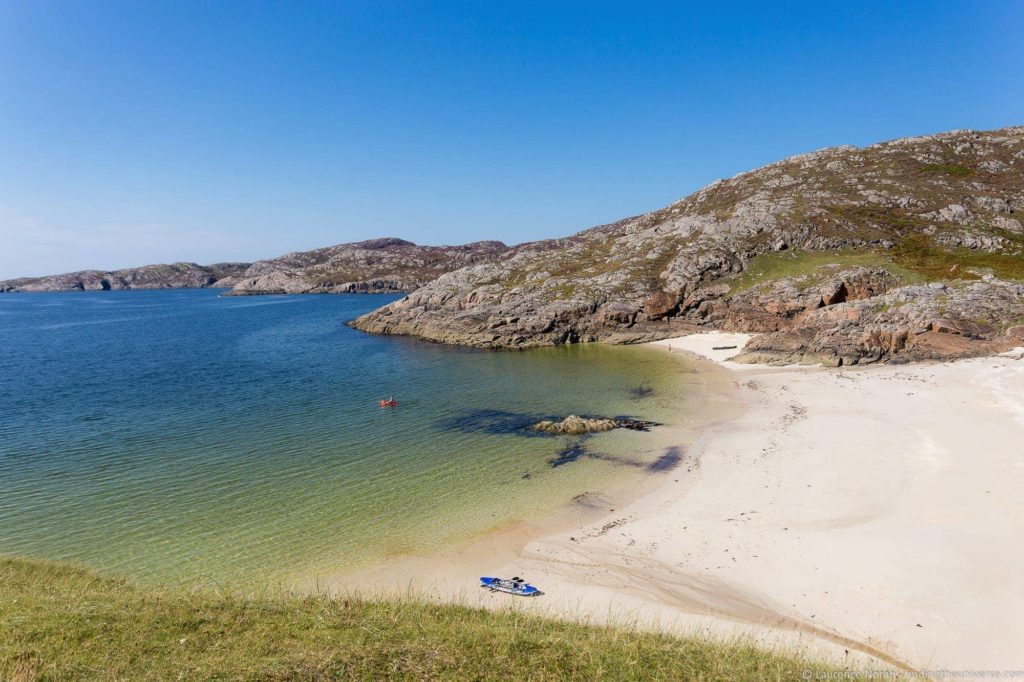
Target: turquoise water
(179,436)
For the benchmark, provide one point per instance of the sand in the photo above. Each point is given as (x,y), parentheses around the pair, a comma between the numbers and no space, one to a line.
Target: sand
(876,510)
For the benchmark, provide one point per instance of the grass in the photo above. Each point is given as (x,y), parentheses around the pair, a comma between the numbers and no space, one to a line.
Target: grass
(779,265)
(917,253)
(954,169)
(59,622)
(913,260)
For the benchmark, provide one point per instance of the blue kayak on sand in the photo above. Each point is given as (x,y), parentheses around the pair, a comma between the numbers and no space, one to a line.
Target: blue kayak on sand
(515,586)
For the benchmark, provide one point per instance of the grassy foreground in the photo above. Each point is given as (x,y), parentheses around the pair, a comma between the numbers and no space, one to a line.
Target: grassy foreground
(58,622)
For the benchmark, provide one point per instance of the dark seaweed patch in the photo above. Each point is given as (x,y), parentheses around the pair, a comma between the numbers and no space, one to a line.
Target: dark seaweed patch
(503,422)
(577,450)
(668,461)
(634,424)
(592,500)
(570,453)
(641,392)
(495,422)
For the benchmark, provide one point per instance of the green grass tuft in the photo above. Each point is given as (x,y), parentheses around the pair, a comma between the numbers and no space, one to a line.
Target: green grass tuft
(953,169)
(784,264)
(915,259)
(58,622)
(917,253)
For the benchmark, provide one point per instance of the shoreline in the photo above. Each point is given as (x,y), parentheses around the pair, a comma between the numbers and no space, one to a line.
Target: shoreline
(448,573)
(871,512)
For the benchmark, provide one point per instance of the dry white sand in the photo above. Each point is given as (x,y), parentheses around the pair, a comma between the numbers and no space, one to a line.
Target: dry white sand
(876,509)
(882,505)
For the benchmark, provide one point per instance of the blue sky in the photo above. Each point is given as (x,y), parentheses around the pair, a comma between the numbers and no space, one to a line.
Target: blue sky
(138,132)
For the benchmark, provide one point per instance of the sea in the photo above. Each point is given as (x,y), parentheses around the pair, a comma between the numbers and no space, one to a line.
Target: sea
(183,437)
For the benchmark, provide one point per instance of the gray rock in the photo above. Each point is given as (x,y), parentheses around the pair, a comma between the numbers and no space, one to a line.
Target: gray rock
(652,275)
(575,425)
(172,276)
(374,266)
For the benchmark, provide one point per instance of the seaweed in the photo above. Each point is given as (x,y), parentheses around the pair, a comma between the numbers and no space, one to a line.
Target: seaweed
(641,391)
(670,460)
(496,422)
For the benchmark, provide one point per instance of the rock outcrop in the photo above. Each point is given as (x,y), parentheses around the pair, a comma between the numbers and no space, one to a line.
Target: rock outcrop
(374,266)
(574,425)
(916,322)
(906,249)
(172,276)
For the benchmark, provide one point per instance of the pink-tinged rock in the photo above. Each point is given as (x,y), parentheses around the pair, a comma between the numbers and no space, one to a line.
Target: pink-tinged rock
(660,304)
(618,314)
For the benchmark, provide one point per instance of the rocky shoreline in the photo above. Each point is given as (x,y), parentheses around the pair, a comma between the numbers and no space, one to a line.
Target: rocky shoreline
(172,276)
(906,250)
(386,266)
(374,266)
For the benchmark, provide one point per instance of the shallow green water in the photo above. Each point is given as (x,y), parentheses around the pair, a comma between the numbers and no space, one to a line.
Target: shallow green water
(177,436)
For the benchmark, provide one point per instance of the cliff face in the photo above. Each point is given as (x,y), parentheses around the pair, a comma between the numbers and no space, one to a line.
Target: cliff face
(173,276)
(374,266)
(905,249)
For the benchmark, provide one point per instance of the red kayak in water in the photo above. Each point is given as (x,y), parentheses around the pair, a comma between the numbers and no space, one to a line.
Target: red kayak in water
(388,403)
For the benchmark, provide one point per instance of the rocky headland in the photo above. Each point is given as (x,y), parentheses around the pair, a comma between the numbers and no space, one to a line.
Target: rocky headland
(904,250)
(171,276)
(375,266)
(386,265)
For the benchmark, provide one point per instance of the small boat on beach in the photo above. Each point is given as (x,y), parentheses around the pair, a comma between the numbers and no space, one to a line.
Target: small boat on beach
(516,586)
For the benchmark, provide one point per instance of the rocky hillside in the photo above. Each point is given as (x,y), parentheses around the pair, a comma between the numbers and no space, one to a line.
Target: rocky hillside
(173,276)
(374,266)
(908,249)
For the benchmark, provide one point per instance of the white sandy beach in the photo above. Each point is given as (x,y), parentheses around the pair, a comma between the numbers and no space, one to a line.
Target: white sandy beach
(877,510)
(882,505)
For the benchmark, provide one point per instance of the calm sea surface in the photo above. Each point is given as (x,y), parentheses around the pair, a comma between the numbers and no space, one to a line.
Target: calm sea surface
(180,436)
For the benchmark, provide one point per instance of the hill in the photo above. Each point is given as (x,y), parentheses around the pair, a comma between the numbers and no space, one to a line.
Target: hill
(373,266)
(173,276)
(908,249)
(60,622)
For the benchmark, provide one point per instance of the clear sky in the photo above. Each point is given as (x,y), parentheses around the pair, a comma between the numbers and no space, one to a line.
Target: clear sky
(139,132)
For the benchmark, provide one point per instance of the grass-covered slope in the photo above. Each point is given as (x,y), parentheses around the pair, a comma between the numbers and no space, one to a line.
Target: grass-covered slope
(58,622)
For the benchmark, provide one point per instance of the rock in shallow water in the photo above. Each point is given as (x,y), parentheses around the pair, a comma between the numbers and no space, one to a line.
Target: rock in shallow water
(574,425)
